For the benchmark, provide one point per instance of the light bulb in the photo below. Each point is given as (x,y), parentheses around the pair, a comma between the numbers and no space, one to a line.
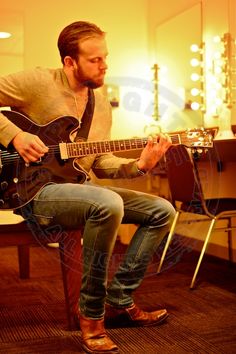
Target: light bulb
(4,35)
(194,62)
(109,89)
(194,48)
(195,77)
(195,91)
(216,39)
(195,106)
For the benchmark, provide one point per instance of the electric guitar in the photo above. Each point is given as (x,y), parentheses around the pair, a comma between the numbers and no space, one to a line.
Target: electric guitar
(20,181)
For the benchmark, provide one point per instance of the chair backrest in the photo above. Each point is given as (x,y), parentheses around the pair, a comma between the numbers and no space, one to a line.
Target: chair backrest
(225,150)
(184,182)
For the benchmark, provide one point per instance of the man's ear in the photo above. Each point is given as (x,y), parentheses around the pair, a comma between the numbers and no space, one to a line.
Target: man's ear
(68,61)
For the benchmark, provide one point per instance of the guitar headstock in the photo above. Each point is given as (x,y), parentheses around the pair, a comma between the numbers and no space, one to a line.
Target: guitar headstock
(202,137)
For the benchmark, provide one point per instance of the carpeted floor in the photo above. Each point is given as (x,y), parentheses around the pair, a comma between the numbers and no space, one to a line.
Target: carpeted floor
(33,317)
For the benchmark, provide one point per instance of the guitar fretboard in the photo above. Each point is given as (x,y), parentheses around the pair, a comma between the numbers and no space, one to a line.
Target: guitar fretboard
(72,150)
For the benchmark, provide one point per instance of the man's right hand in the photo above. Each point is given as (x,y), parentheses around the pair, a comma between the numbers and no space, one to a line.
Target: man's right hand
(29,146)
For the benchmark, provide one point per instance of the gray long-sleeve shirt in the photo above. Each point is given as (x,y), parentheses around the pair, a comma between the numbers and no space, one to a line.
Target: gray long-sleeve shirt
(43,95)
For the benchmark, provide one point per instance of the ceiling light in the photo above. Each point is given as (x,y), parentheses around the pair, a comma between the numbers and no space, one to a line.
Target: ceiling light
(5,35)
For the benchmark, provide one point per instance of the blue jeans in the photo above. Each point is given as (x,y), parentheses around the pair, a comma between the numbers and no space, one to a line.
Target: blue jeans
(101,210)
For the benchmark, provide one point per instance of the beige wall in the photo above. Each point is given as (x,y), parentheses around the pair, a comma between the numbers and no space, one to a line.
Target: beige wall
(43,20)
(159,12)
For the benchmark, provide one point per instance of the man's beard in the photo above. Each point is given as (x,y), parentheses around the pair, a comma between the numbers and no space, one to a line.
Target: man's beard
(91,84)
(85,81)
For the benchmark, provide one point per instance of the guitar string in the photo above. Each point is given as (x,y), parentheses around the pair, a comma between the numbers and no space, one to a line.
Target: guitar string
(94,145)
(5,155)
(85,147)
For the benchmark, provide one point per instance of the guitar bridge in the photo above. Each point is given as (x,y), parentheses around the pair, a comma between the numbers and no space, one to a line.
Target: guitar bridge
(35,163)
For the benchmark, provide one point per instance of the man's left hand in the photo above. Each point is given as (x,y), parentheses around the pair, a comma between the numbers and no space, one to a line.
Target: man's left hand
(153,152)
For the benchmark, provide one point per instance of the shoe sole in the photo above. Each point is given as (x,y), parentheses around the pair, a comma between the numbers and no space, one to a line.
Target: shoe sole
(125,321)
(156,323)
(87,350)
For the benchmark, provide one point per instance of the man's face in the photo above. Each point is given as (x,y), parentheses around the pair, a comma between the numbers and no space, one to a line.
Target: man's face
(91,66)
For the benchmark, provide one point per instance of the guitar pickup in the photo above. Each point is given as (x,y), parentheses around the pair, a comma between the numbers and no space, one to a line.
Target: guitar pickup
(63,151)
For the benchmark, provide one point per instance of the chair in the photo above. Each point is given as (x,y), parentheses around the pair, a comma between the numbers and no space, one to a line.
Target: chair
(187,196)
(24,234)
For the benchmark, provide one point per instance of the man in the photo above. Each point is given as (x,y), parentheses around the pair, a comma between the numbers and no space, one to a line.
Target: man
(45,94)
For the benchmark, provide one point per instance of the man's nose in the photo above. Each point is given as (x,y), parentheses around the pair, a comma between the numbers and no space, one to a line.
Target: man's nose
(104,65)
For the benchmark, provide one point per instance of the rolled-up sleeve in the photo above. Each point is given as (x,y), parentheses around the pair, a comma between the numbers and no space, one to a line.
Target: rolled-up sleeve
(110,166)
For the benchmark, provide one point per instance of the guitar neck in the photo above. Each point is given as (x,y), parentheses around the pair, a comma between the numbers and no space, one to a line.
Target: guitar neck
(78,149)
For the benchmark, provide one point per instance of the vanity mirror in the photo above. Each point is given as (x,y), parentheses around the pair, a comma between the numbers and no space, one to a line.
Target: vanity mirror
(174,38)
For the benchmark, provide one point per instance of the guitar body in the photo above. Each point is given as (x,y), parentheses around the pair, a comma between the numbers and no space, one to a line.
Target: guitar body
(20,182)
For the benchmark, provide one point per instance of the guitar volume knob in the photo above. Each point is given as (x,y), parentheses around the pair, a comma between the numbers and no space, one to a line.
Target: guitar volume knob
(4,185)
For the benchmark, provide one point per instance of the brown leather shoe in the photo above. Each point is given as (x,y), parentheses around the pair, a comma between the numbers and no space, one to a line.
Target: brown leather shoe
(94,337)
(133,316)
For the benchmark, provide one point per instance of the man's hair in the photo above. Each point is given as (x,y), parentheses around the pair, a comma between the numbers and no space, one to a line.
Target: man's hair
(71,36)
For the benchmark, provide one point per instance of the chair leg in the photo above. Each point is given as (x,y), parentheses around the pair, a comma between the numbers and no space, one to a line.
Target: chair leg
(24,261)
(230,252)
(70,254)
(212,224)
(172,229)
